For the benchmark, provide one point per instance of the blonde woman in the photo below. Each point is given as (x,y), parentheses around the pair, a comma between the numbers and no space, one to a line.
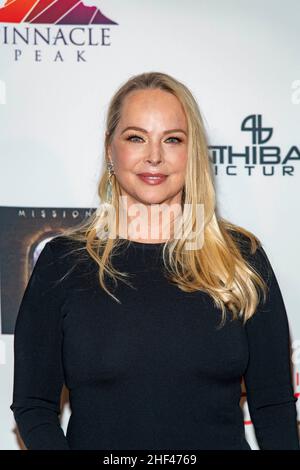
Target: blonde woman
(153,321)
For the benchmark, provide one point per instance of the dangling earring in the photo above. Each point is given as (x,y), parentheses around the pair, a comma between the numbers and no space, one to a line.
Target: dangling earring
(103,223)
(110,169)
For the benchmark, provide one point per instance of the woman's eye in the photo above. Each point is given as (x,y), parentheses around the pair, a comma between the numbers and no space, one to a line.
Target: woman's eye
(137,137)
(133,137)
(176,138)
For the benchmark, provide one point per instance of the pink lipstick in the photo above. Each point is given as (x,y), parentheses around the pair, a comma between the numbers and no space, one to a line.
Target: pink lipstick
(152,178)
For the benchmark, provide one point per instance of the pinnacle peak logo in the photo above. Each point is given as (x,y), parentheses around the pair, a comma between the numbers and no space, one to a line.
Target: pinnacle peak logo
(258,157)
(52,23)
(62,12)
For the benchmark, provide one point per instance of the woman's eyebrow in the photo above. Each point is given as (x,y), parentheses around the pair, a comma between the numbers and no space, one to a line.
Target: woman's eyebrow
(144,130)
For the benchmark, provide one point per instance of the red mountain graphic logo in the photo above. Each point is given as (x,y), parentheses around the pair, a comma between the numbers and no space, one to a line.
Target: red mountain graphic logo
(51,11)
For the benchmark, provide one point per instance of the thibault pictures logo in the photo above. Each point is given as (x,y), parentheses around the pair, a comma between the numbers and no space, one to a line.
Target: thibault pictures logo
(259,156)
(52,23)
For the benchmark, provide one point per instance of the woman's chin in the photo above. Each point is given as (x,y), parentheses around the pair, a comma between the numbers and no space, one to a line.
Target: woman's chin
(148,199)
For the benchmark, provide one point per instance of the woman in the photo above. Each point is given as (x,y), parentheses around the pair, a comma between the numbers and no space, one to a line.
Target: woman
(155,362)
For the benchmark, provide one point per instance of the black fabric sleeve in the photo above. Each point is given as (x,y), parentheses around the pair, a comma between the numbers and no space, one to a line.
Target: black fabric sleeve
(38,368)
(268,377)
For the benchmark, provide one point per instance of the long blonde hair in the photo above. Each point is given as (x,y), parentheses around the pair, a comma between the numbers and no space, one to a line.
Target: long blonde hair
(218,267)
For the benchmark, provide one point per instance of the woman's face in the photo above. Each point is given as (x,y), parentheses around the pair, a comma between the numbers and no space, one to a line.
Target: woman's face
(153,148)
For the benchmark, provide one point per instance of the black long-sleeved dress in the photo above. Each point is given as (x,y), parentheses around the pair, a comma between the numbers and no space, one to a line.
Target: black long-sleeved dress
(153,372)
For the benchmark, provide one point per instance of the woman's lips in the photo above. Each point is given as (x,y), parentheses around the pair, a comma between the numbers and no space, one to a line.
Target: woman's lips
(153,179)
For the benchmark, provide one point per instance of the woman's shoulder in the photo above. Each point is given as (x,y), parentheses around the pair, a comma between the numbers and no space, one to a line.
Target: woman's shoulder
(252,250)
(62,242)
(63,247)
(69,254)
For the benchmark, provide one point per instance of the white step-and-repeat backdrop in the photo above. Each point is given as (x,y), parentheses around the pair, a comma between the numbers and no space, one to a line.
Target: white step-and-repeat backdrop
(58,69)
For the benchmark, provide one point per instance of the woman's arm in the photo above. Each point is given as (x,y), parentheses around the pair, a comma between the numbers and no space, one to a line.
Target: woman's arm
(268,378)
(38,369)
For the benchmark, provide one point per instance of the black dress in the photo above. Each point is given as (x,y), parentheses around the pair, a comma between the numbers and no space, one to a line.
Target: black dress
(152,372)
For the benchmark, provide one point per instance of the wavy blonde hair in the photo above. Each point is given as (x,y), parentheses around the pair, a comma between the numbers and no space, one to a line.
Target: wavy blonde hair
(218,267)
